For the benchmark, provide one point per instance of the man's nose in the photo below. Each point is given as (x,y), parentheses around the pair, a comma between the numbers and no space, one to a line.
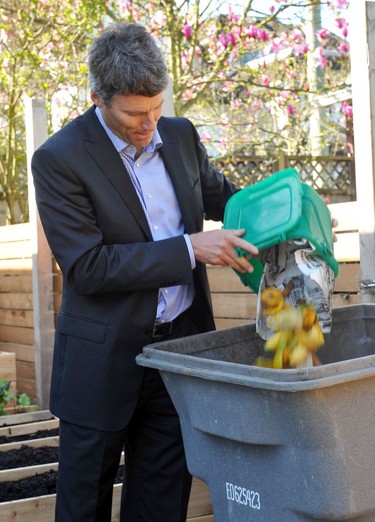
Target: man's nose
(149,121)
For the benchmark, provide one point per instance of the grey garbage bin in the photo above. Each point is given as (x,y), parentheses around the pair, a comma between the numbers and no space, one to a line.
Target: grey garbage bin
(278,445)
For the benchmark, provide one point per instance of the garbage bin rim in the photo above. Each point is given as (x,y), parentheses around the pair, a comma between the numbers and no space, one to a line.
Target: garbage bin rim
(287,380)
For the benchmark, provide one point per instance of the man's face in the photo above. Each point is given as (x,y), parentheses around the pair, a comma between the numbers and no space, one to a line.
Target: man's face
(132,117)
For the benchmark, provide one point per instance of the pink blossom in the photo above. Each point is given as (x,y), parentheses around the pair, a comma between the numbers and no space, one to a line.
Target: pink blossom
(322,34)
(290,108)
(262,35)
(252,32)
(302,48)
(187,95)
(223,39)
(322,61)
(341,4)
(226,39)
(187,31)
(276,46)
(343,25)
(266,81)
(343,47)
(347,109)
(232,38)
(231,16)
(297,35)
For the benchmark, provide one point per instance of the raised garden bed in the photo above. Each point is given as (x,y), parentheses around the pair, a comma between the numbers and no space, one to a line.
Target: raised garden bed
(27,489)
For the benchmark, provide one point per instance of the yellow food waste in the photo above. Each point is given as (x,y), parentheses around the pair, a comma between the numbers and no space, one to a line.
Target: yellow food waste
(297,332)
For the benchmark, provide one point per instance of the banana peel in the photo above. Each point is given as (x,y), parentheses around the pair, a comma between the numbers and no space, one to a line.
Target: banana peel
(297,332)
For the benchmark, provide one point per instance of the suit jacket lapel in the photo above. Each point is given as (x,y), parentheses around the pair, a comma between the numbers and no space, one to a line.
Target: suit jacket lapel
(182,183)
(99,146)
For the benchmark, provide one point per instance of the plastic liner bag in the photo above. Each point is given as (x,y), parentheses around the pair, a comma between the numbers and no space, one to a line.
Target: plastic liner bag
(302,276)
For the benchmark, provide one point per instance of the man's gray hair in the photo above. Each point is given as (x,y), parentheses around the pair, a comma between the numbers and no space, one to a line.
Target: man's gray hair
(125,59)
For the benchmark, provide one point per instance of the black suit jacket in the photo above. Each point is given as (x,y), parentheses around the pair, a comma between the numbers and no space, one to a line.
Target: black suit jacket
(112,269)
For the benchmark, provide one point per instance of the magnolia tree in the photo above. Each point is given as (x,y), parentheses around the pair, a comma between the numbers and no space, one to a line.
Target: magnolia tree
(253,82)
(43,45)
(256,81)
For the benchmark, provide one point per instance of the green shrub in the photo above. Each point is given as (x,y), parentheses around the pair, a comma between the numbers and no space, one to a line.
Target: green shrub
(8,398)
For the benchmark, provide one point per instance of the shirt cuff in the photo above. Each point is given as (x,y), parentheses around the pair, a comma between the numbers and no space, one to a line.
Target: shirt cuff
(191,251)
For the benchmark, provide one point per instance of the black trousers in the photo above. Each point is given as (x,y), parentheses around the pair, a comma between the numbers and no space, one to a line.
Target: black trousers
(157,483)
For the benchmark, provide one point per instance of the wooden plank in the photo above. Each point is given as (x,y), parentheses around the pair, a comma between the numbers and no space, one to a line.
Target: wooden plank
(19,283)
(221,323)
(29,471)
(200,501)
(25,370)
(26,386)
(11,266)
(8,370)
(17,250)
(347,247)
(37,509)
(16,301)
(14,334)
(41,509)
(362,52)
(345,299)
(236,306)
(34,443)
(7,366)
(57,282)
(23,418)
(206,518)
(23,352)
(347,279)
(19,232)
(224,279)
(346,215)
(199,505)
(28,428)
(21,318)
(44,319)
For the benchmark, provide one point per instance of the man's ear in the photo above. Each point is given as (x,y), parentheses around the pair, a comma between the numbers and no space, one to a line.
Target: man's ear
(96,99)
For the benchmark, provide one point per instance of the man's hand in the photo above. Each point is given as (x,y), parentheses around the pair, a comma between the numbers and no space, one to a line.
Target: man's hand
(218,247)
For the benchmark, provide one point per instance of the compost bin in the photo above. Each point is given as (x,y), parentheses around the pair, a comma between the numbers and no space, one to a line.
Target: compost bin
(278,445)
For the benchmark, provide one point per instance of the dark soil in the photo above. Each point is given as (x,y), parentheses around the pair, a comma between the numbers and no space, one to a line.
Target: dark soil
(35,435)
(28,456)
(38,485)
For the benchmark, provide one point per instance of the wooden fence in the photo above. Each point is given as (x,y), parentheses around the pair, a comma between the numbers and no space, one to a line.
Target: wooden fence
(233,303)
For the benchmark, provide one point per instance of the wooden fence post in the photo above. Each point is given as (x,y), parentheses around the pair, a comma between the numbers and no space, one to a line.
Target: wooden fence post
(363,88)
(42,269)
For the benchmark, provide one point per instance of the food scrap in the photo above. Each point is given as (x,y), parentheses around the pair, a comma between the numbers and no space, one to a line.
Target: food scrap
(297,334)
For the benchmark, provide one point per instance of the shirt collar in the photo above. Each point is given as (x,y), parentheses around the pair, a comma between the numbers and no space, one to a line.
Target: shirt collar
(120,144)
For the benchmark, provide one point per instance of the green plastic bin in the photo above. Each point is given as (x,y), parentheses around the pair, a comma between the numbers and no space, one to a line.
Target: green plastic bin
(278,209)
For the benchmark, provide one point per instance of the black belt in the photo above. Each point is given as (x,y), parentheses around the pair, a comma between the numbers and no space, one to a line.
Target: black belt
(163,329)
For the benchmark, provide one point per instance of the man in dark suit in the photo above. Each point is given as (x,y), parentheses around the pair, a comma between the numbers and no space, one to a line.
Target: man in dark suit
(122,193)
